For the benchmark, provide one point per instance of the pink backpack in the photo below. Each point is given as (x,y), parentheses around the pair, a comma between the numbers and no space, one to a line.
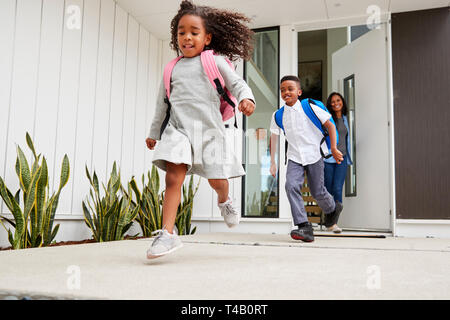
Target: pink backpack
(227,101)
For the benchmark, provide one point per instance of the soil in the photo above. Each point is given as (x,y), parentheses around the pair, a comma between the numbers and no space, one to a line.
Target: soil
(68,243)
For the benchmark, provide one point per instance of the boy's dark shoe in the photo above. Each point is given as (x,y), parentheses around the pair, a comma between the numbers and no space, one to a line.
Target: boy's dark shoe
(304,232)
(332,218)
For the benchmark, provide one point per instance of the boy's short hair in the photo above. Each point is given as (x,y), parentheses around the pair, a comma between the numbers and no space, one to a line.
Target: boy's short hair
(291,78)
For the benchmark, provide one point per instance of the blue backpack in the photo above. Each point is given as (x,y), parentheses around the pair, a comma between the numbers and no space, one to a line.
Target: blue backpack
(315,120)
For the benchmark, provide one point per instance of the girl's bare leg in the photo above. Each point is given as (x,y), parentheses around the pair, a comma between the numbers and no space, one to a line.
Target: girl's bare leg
(175,174)
(221,187)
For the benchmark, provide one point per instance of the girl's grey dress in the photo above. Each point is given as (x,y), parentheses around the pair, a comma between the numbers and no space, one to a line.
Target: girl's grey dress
(196,134)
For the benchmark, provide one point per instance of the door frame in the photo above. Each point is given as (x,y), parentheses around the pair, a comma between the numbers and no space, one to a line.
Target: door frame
(384,18)
(244,142)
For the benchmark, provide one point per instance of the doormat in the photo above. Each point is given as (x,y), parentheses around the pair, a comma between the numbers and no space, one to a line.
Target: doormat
(349,235)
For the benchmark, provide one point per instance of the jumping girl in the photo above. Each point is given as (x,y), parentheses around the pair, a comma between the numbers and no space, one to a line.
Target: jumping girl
(188,124)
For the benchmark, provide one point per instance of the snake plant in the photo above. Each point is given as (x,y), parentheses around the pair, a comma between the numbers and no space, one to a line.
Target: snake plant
(110,216)
(33,222)
(184,212)
(150,202)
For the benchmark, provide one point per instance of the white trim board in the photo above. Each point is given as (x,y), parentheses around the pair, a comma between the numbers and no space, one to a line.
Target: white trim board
(258,227)
(420,228)
(423,221)
(336,23)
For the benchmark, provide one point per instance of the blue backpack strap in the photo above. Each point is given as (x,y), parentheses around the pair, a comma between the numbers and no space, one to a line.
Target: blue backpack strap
(316,121)
(279,121)
(310,113)
(279,118)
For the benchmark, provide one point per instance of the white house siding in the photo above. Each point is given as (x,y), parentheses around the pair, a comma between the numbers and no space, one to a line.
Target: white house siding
(81,84)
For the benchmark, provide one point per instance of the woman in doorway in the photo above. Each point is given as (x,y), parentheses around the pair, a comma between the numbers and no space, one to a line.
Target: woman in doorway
(335,173)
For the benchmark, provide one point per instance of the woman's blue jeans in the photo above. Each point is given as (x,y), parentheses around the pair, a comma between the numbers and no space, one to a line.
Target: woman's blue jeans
(335,177)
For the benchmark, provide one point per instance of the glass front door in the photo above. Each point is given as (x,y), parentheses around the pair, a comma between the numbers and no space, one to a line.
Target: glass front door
(260,189)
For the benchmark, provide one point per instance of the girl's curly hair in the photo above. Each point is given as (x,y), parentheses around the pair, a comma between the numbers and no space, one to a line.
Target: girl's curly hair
(230,36)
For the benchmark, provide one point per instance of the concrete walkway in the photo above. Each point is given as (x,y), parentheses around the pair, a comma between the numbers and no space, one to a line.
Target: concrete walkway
(234,266)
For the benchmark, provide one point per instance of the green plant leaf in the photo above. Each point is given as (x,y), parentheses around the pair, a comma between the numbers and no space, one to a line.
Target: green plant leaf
(17,167)
(11,222)
(88,174)
(30,144)
(17,197)
(54,232)
(10,238)
(95,183)
(16,212)
(6,195)
(24,170)
(136,190)
(41,199)
(65,172)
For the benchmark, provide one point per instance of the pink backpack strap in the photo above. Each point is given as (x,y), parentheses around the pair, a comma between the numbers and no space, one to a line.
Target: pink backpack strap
(168,73)
(228,102)
(210,67)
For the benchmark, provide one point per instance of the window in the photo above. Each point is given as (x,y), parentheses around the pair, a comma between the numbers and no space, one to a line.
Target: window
(259,188)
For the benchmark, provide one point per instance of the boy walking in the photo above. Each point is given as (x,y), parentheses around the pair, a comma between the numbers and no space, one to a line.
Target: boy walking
(304,155)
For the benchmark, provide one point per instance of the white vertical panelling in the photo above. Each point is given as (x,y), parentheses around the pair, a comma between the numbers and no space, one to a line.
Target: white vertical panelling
(24,79)
(140,133)
(117,88)
(203,199)
(68,97)
(81,76)
(129,105)
(86,103)
(7,31)
(153,87)
(103,89)
(45,121)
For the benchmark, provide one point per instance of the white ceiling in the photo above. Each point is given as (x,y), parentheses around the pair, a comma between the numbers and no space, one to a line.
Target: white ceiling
(155,15)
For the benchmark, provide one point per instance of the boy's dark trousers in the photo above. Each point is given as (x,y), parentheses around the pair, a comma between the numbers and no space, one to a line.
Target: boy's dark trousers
(295,176)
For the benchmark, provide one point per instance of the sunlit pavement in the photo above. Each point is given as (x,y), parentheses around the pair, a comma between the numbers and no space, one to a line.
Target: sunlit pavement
(233,266)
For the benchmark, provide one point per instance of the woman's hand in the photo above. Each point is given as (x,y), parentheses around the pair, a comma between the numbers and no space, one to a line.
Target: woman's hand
(150,143)
(246,107)
(337,155)
(273,169)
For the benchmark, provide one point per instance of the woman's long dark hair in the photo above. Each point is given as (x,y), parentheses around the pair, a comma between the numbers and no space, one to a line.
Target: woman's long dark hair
(230,36)
(344,104)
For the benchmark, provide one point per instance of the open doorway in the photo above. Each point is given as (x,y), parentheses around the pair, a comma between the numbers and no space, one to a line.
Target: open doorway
(353,61)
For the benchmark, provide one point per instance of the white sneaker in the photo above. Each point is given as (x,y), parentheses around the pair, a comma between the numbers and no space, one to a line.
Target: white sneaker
(335,229)
(163,244)
(229,213)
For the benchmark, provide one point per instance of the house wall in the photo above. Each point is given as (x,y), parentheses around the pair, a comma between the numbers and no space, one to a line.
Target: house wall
(81,77)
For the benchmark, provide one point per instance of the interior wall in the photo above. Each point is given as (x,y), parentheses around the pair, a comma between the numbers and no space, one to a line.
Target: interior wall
(312,46)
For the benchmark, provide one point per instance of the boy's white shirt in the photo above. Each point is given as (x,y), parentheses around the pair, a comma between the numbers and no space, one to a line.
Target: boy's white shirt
(301,134)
